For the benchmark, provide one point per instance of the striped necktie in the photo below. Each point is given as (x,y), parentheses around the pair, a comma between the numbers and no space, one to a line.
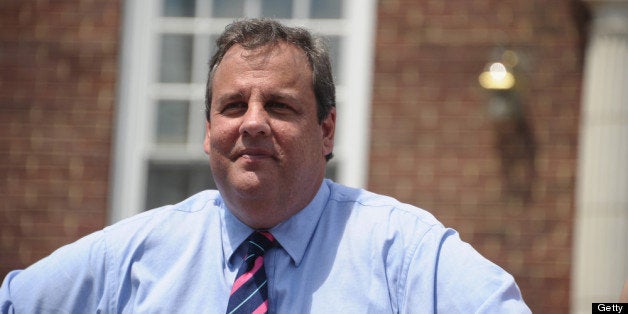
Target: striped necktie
(249,293)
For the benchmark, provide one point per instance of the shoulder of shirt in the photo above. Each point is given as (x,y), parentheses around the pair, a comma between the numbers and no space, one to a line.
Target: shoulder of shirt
(379,205)
(205,201)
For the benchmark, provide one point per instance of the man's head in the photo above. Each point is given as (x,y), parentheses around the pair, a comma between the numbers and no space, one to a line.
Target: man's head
(255,33)
(268,132)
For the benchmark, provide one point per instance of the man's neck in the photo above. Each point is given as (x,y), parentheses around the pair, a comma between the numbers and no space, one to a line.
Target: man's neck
(266,213)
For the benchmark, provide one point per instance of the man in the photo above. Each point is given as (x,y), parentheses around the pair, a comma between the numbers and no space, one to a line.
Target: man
(276,236)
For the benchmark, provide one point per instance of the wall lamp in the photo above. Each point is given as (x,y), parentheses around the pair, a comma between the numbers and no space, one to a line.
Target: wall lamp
(514,139)
(499,79)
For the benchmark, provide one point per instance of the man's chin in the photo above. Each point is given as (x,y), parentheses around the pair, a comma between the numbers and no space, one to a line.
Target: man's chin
(251,183)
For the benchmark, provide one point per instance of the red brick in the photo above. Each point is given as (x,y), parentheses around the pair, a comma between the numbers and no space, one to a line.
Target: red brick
(428,57)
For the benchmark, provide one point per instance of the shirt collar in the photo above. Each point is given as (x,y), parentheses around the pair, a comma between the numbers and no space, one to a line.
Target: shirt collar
(293,234)
(234,232)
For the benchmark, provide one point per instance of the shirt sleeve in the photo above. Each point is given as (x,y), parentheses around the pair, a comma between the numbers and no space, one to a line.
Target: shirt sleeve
(463,280)
(70,280)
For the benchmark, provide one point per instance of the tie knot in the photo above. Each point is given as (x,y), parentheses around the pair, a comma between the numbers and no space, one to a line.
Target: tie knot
(259,242)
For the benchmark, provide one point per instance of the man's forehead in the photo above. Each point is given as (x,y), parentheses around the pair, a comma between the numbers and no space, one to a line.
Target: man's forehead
(264,53)
(281,67)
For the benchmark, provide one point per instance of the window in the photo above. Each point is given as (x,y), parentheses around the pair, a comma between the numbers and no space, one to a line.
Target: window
(160,119)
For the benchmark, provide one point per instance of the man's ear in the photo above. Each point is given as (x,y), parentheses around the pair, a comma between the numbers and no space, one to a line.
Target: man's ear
(328,126)
(206,142)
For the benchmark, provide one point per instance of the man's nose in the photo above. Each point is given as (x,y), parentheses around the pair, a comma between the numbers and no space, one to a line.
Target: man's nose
(255,121)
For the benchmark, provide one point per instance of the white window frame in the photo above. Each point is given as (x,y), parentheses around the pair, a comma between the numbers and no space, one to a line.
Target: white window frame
(134,112)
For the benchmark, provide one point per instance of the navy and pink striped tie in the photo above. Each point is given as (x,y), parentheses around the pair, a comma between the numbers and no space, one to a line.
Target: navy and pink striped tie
(249,293)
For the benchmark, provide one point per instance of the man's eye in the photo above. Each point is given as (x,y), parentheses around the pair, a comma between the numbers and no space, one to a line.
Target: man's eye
(233,107)
(277,106)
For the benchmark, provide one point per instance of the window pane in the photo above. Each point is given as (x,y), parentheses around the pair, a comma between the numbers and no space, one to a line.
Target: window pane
(213,46)
(228,8)
(176,58)
(331,171)
(277,8)
(172,121)
(179,8)
(172,183)
(334,45)
(325,9)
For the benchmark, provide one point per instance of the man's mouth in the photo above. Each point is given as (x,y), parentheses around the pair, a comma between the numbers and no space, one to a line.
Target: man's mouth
(254,154)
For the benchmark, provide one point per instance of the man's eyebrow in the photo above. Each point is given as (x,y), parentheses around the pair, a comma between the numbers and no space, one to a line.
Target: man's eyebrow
(230,97)
(281,96)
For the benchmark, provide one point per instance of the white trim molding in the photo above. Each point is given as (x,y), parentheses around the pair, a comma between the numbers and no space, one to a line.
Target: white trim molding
(601,221)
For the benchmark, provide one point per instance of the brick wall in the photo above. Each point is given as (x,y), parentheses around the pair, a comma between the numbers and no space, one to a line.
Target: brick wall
(58,64)
(507,186)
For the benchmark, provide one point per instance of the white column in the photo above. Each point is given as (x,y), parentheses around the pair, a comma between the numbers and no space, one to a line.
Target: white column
(600,258)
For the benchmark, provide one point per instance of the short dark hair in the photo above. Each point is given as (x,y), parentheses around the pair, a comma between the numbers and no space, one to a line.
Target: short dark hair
(256,33)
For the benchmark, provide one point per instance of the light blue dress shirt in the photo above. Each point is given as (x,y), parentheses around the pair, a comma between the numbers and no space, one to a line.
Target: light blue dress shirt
(348,251)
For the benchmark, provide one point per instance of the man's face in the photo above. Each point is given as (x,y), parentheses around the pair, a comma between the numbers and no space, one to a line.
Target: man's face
(265,143)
